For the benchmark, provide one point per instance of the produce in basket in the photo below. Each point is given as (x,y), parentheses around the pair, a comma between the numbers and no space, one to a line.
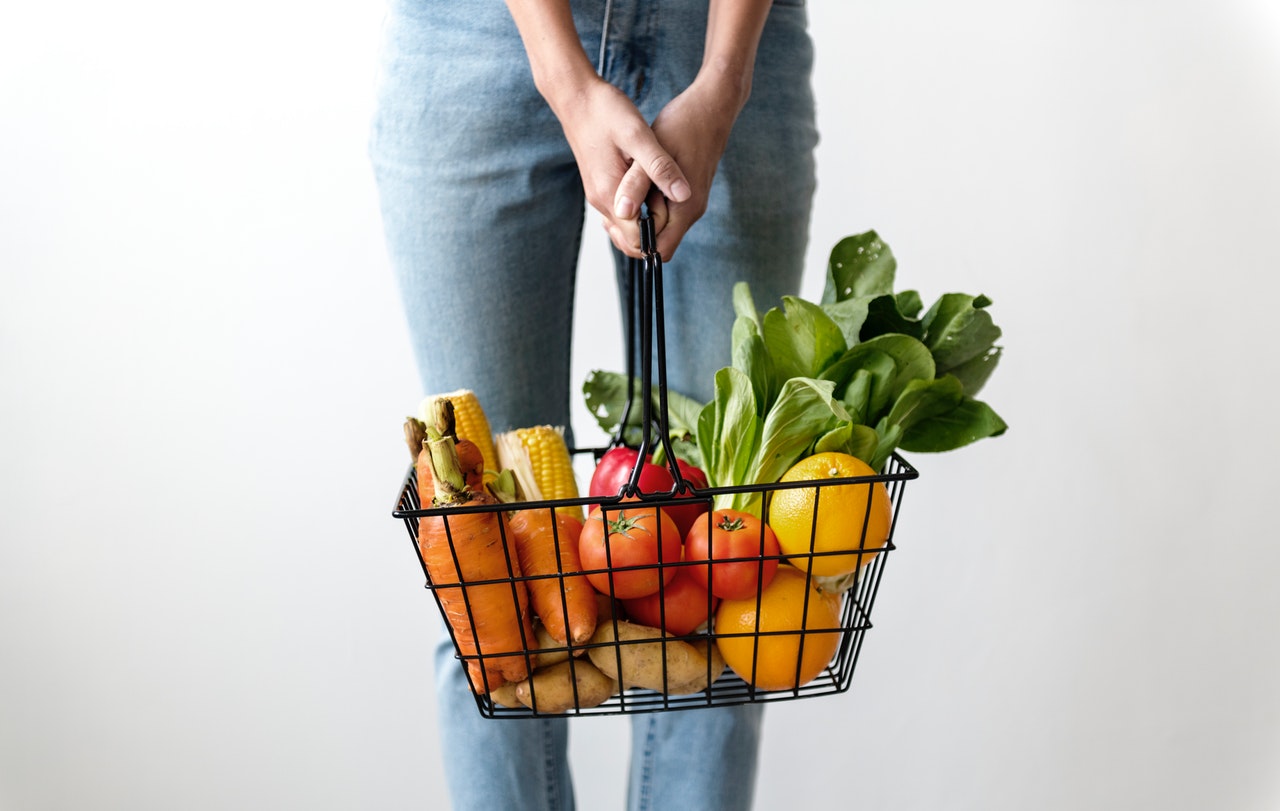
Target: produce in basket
(680,607)
(850,517)
(784,641)
(464,553)
(613,472)
(540,460)
(646,657)
(546,543)
(621,548)
(742,549)
(865,371)
(470,422)
(564,686)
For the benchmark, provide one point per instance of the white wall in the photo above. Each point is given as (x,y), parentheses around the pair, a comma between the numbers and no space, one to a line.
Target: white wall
(204,601)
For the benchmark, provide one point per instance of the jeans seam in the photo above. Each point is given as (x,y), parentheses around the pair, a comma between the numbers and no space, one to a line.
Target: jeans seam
(549,762)
(646,768)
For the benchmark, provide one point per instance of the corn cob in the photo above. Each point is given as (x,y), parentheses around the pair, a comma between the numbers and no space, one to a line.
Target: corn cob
(472,424)
(540,461)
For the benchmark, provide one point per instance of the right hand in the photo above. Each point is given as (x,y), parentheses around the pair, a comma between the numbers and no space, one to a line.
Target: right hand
(609,138)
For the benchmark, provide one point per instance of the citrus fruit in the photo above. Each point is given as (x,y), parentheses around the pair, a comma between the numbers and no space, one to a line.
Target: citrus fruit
(845,521)
(770,661)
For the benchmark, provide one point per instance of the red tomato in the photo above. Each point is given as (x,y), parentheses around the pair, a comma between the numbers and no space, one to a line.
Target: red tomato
(636,535)
(683,603)
(614,470)
(733,534)
(693,475)
(686,516)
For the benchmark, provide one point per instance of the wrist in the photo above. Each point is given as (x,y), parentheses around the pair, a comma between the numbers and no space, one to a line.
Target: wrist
(562,82)
(727,79)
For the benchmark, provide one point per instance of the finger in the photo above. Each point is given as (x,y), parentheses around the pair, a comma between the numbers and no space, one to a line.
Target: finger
(633,188)
(669,238)
(625,236)
(658,210)
(663,170)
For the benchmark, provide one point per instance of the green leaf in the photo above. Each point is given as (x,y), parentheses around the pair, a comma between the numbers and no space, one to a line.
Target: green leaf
(888,436)
(752,359)
(909,303)
(884,318)
(682,415)
(855,440)
(973,373)
(734,429)
(805,410)
(606,397)
(968,422)
(849,315)
(857,394)
(919,401)
(911,361)
(801,338)
(957,329)
(922,399)
(859,265)
(744,306)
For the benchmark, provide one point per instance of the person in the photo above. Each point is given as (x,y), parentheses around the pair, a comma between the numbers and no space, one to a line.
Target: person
(493,128)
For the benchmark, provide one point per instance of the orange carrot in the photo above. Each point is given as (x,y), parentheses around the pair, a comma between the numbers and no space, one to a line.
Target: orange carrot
(564,600)
(490,621)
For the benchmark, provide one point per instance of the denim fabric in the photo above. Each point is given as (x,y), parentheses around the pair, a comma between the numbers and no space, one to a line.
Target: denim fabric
(483,212)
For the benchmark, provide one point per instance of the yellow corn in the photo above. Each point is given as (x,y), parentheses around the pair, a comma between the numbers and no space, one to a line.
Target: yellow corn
(540,460)
(471,423)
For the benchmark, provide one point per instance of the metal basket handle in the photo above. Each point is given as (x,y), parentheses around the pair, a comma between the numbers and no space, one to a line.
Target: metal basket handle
(644,304)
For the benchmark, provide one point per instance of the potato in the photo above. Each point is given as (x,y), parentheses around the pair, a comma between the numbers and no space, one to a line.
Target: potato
(553,687)
(505,696)
(550,652)
(642,661)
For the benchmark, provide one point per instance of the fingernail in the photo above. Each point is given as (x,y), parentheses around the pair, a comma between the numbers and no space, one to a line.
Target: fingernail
(625,208)
(680,191)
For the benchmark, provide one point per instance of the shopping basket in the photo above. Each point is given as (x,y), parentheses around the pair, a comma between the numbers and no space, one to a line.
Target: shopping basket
(649,670)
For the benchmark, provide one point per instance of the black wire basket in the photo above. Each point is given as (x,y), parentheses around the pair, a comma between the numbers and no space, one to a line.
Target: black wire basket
(632,667)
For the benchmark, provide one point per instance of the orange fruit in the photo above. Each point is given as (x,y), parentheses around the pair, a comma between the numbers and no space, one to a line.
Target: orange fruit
(845,519)
(770,662)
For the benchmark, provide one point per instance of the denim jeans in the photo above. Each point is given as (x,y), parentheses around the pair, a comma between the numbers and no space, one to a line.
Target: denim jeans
(483,210)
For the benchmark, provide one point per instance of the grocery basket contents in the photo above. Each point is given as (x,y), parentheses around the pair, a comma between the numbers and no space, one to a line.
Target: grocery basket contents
(723,552)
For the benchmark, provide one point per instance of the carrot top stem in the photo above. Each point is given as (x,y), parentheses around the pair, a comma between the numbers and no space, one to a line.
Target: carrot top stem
(446,468)
(446,472)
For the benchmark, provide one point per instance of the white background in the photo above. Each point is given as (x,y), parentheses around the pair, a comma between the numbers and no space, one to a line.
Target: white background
(204,600)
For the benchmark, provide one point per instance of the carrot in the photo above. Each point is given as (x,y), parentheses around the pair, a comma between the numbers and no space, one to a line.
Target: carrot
(475,573)
(548,553)
(547,544)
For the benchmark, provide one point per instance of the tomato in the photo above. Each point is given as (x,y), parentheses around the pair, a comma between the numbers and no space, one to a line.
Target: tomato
(686,516)
(683,603)
(733,534)
(613,471)
(635,536)
(693,475)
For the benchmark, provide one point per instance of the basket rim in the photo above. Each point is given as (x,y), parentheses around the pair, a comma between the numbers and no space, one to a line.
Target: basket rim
(904,471)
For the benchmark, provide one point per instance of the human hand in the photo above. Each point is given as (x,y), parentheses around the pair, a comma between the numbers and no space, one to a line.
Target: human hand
(694,128)
(611,140)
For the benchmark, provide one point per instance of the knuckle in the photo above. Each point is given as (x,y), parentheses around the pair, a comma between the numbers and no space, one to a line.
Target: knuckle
(662,167)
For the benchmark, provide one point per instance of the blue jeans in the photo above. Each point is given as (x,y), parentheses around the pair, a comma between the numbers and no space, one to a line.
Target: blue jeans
(483,211)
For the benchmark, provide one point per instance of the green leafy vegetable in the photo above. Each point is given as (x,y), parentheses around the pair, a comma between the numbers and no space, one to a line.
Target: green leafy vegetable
(860,372)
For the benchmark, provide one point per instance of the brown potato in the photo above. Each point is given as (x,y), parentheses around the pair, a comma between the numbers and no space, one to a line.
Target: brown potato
(641,655)
(505,696)
(552,689)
